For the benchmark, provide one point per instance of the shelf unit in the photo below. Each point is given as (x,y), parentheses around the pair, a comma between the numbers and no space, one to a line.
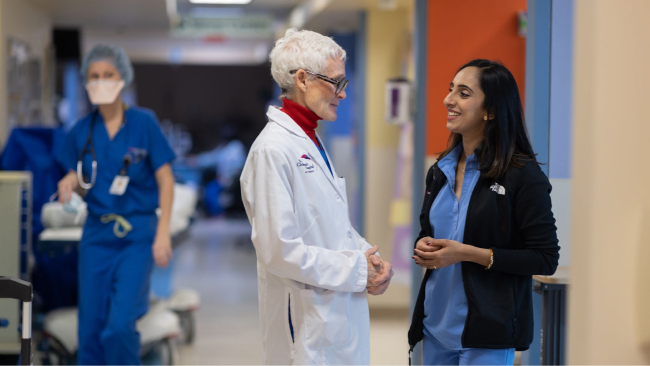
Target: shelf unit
(15,247)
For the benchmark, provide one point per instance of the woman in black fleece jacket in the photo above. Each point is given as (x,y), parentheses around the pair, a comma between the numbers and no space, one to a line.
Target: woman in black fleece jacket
(475,301)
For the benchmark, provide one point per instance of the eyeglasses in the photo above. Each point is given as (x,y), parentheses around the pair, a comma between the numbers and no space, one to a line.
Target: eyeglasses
(339,84)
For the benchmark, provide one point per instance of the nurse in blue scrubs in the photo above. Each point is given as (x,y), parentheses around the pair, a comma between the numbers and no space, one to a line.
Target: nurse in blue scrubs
(118,155)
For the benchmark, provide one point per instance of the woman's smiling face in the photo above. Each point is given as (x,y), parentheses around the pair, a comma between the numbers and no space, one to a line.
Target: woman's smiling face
(464,103)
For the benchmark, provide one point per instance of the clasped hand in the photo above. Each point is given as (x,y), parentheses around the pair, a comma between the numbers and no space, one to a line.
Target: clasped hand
(380,273)
(433,253)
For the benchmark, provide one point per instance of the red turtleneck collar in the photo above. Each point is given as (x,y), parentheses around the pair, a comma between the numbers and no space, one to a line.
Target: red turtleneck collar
(306,119)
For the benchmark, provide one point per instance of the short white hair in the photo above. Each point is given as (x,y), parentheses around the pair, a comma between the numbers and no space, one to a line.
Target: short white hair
(301,49)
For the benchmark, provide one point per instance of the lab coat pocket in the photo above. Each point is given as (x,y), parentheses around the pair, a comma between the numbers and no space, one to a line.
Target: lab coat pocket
(325,318)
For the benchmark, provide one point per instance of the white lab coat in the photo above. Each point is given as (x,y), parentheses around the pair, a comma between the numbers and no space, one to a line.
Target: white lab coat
(308,255)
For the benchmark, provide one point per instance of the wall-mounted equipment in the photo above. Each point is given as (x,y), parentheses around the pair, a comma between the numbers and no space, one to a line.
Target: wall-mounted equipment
(399,101)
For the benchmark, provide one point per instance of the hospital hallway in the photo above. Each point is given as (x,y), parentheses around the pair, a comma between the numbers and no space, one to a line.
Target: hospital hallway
(218,260)
(491,132)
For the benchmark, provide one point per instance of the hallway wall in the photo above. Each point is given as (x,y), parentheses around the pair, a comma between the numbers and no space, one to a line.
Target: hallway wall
(460,31)
(385,55)
(609,296)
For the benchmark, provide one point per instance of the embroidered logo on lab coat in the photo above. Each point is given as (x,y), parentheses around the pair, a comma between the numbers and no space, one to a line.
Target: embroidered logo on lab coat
(306,163)
(499,189)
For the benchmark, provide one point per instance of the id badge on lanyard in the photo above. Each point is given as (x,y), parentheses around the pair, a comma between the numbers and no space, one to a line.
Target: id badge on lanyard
(121,181)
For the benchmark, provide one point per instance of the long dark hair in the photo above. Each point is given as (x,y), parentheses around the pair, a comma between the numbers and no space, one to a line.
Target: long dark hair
(505,139)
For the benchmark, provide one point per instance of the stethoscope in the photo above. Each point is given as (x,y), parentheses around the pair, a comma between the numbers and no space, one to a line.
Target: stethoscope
(89,148)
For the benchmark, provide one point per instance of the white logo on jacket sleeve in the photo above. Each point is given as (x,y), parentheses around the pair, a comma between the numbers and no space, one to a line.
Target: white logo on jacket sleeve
(499,189)
(306,163)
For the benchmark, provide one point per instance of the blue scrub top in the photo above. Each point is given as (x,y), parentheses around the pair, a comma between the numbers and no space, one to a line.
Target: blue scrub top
(445,303)
(142,139)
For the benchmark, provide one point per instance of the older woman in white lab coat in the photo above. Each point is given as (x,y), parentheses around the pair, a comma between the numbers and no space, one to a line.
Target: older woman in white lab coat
(314,269)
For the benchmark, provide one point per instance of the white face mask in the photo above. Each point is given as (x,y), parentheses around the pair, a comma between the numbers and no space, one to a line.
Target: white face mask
(104,91)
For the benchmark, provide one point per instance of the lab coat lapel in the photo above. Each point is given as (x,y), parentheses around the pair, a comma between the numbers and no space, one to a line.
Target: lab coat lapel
(333,175)
(281,118)
(318,159)
(339,183)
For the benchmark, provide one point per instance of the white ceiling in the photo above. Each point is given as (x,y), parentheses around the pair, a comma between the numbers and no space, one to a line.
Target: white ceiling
(142,27)
(148,15)
(137,14)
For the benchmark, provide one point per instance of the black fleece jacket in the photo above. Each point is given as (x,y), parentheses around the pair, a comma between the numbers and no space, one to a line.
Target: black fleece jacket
(518,225)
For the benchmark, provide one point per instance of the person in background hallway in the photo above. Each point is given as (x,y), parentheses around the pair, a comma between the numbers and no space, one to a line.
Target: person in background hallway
(486,227)
(122,235)
(228,158)
(313,267)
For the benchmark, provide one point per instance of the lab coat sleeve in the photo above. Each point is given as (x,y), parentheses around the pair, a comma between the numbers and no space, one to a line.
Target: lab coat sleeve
(269,201)
(363,243)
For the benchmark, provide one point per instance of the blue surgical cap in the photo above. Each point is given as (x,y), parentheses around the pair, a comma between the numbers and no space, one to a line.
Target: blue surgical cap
(114,55)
